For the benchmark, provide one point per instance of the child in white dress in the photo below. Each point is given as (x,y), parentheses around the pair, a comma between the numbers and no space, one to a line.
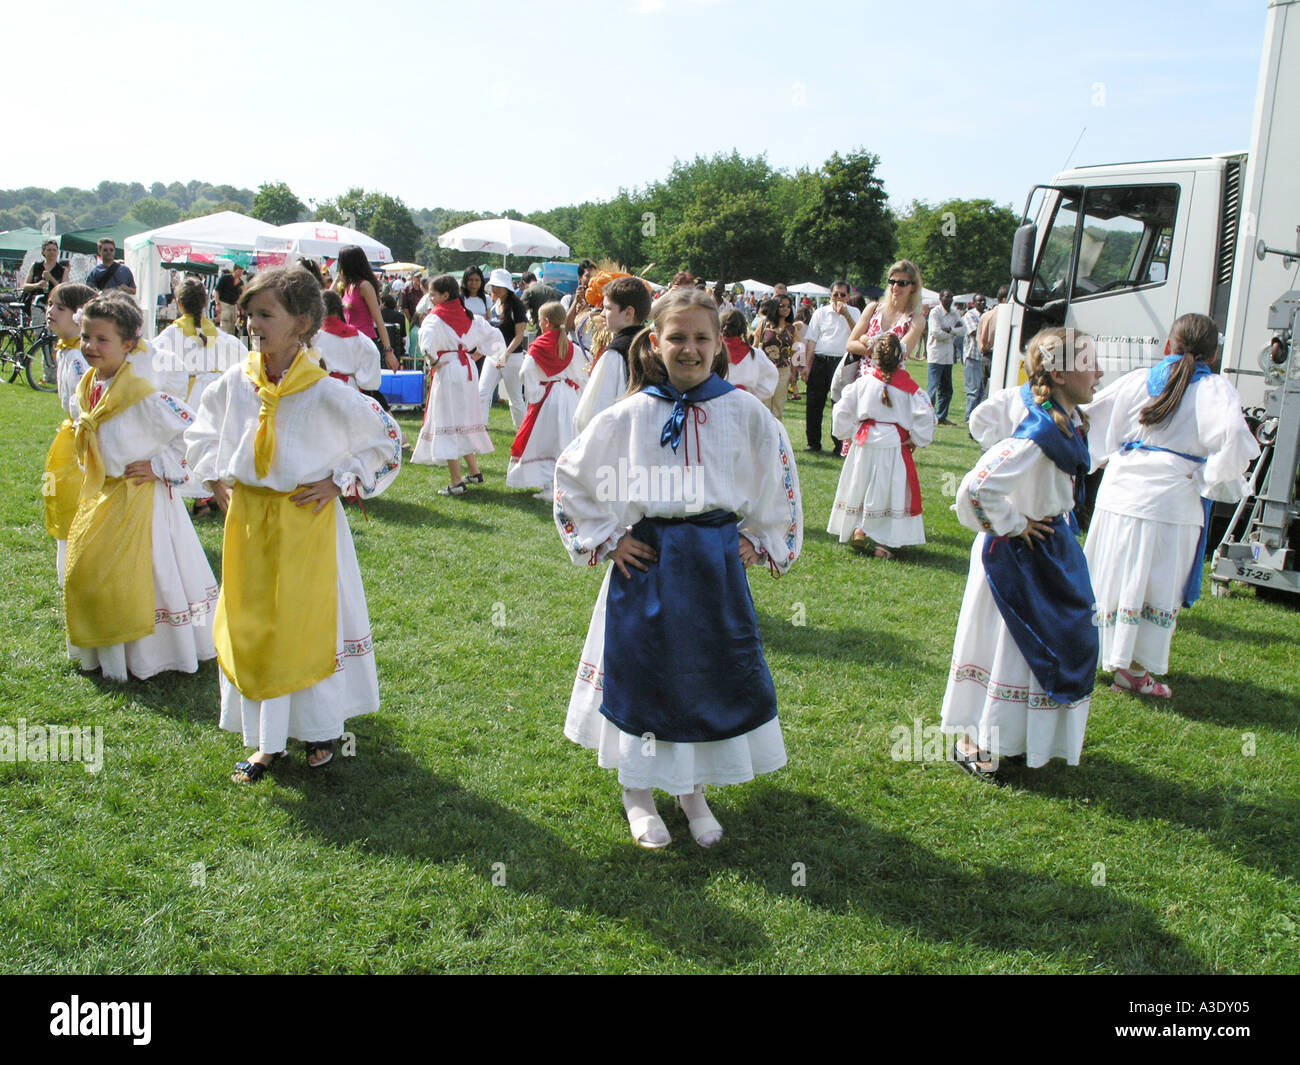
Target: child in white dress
(882,417)
(553,379)
(747,368)
(454,423)
(1173,439)
(139,592)
(681,485)
(196,346)
(1025,655)
(278,441)
(345,352)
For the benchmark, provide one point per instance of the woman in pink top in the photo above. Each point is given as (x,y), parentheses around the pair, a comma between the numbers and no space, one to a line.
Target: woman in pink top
(361,300)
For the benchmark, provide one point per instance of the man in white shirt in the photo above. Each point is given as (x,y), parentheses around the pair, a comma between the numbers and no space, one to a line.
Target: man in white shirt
(826,337)
(945,325)
(972,360)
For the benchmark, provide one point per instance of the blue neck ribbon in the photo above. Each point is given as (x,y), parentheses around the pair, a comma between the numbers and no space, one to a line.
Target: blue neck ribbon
(710,389)
(1069,454)
(1158,376)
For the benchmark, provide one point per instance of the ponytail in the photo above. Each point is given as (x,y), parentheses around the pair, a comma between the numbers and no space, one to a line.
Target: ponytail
(1196,338)
(644,367)
(887,354)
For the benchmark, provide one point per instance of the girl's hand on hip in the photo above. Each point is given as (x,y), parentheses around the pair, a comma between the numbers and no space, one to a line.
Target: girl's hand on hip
(748,556)
(632,552)
(140,472)
(319,492)
(1036,530)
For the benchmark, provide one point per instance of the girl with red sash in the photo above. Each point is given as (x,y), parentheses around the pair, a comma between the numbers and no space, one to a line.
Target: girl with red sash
(882,417)
(345,352)
(747,368)
(553,380)
(454,423)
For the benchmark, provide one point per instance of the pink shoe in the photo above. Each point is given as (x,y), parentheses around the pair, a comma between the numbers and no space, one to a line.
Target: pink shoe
(1144,685)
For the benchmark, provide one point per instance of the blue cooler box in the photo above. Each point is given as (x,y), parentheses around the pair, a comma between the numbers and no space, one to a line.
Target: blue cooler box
(405,388)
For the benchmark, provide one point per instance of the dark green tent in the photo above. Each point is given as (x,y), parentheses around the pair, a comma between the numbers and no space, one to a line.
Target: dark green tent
(87,241)
(16,243)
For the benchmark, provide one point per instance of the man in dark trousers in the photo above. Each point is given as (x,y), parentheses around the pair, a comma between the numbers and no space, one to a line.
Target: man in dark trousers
(827,338)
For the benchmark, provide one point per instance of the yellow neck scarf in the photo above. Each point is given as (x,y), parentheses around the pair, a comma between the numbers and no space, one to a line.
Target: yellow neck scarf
(301,375)
(185,323)
(68,345)
(125,390)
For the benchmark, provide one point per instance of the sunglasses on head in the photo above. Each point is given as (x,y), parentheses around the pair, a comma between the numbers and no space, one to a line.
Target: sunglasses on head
(901,282)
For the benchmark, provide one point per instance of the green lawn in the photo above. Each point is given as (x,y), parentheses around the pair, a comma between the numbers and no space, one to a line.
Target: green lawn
(468,835)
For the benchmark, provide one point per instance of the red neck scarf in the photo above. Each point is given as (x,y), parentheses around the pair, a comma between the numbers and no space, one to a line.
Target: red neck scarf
(338,328)
(737,349)
(548,353)
(453,312)
(900,379)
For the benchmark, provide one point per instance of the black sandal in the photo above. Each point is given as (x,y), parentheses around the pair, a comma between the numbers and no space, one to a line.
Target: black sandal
(314,748)
(250,772)
(970,763)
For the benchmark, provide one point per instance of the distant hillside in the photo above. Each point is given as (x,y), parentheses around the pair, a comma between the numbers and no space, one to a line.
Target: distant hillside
(111,201)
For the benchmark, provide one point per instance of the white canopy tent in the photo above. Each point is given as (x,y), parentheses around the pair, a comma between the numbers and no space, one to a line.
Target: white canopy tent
(316,240)
(810,288)
(226,235)
(755,287)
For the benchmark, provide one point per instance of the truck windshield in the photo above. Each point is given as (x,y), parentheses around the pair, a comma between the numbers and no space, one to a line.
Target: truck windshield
(1128,233)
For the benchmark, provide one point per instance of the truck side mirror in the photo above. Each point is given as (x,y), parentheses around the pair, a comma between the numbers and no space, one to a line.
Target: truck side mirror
(1022,252)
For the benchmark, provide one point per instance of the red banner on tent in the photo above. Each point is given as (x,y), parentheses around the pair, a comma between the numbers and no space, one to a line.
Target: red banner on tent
(171,252)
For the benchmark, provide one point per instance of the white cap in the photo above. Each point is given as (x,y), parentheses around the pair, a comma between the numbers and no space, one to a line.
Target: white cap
(501,278)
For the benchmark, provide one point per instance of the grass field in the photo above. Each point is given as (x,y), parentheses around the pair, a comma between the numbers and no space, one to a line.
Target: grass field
(468,835)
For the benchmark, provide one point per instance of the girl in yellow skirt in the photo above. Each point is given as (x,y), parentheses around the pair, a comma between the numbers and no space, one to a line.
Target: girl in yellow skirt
(139,592)
(61,485)
(278,441)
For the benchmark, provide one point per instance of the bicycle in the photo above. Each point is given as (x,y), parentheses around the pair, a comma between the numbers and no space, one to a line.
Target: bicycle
(27,349)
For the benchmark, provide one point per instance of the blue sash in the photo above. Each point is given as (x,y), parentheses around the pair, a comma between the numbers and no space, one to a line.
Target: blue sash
(1158,375)
(683,654)
(1192,587)
(1044,594)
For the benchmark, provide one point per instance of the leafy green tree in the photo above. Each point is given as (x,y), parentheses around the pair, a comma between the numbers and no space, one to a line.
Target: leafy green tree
(386,218)
(276,204)
(154,213)
(963,245)
(842,226)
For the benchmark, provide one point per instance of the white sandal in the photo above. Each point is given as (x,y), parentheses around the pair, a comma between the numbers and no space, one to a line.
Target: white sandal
(706,831)
(642,827)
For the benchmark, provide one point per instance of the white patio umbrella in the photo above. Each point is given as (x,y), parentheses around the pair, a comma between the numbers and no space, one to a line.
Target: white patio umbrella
(504,236)
(317,239)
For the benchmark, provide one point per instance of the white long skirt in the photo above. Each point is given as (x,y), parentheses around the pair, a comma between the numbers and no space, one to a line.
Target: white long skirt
(1138,568)
(453,420)
(872,496)
(652,763)
(321,711)
(185,597)
(552,433)
(992,695)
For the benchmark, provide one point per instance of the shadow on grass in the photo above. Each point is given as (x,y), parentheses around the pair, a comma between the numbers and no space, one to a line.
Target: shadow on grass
(854,645)
(192,697)
(854,867)
(1260,834)
(384,802)
(931,559)
(1232,703)
(1222,632)
(399,512)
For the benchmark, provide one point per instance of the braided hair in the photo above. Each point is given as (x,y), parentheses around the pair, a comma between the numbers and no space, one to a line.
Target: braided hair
(1046,355)
(887,354)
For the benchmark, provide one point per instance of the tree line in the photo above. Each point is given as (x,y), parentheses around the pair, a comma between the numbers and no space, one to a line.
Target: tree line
(725,216)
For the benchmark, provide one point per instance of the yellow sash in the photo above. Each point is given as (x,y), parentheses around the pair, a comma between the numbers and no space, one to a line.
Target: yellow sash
(109,592)
(301,375)
(276,626)
(185,324)
(61,486)
(125,390)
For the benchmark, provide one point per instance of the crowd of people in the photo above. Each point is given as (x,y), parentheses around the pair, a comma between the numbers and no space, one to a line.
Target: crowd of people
(653,425)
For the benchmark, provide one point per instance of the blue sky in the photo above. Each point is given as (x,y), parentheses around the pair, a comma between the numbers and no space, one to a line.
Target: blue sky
(532,106)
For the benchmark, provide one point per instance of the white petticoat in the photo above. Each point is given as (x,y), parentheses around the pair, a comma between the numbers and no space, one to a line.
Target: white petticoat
(641,763)
(872,495)
(453,420)
(1139,568)
(185,597)
(552,433)
(321,711)
(993,696)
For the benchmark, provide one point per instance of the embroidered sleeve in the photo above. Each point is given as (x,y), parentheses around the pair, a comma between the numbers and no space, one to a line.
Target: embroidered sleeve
(589,515)
(984,497)
(774,524)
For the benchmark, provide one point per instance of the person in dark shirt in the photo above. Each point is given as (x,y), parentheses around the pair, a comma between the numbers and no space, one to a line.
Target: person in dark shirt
(230,286)
(110,274)
(394,322)
(536,295)
(44,274)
